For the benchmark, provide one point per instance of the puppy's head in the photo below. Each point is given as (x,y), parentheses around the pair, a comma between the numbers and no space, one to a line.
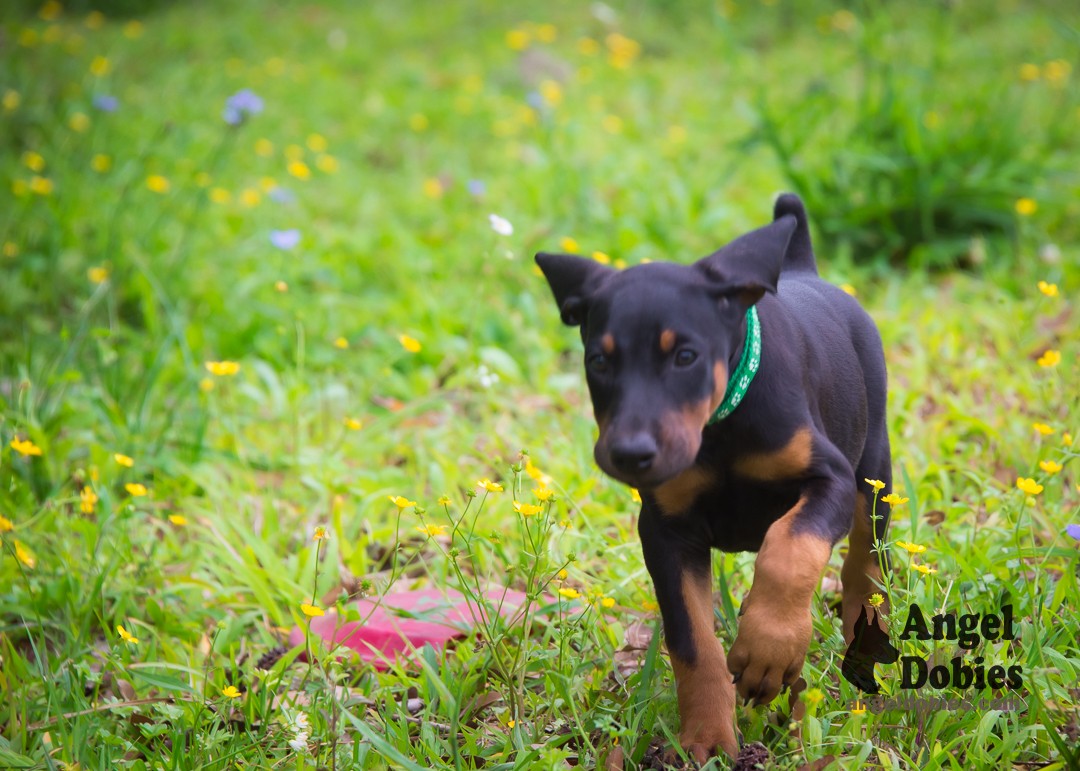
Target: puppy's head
(659,339)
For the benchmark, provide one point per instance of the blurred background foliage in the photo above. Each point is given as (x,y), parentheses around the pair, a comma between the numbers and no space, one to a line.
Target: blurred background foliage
(142,236)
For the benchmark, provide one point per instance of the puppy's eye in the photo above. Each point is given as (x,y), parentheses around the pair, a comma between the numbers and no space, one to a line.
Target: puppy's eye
(685,358)
(598,363)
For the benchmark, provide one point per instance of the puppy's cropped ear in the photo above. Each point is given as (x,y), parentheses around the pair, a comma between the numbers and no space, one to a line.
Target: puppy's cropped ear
(573,281)
(749,266)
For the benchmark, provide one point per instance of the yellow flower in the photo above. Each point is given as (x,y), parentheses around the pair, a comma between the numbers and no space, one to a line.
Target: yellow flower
(401,502)
(312,610)
(11,249)
(1050,359)
(157,183)
(353,424)
(126,636)
(341,343)
(41,185)
(100,66)
(536,473)
(80,122)
(432,188)
(177,519)
(101,163)
(1026,206)
(135,489)
(230,692)
(570,594)
(299,169)
(133,29)
(24,556)
(875,483)
(876,600)
(893,499)
(327,163)
(587,46)
(924,569)
(552,92)
(220,195)
(206,384)
(409,344)
(6,525)
(912,548)
(320,533)
(608,602)
(602,258)
(1066,439)
(1029,486)
(1029,71)
(50,10)
(562,574)
(849,289)
(1050,290)
(635,495)
(25,447)
(264,147)
(316,143)
(567,244)
(546,33)
(281,286)
(1042,428)
(418,122)
(431,530)
(250,197)
(33,161)
(1049,466)
(543,493)
(527,509)
(11,100)
(123,460)
(490,486)
(275,66)
(650,605)
(518,39)
(612,124)
(87,500)
(445,500)
(222,367)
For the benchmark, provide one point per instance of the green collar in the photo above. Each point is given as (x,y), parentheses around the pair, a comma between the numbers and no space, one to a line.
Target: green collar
(744,373)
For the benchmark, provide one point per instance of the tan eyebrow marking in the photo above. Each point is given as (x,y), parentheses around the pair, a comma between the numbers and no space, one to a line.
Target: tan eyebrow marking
(667,340)
(607,343)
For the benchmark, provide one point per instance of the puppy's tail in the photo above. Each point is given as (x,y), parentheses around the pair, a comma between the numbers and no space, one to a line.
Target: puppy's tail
(800,252)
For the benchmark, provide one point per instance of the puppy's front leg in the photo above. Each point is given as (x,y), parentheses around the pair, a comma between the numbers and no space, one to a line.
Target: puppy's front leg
(776,623)
(681,570)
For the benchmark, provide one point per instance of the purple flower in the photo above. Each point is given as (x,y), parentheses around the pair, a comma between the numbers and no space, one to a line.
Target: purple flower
(243,102)
(282,195)
(1073,530)
(476,187)
(106,103)
(285,239)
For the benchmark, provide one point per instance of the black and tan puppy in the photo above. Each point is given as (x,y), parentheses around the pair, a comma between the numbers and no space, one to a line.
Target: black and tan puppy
(782,474)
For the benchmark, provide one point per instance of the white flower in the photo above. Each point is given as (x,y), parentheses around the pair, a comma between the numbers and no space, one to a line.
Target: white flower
(299,742)
(487,379)
(300,722)
(500,225)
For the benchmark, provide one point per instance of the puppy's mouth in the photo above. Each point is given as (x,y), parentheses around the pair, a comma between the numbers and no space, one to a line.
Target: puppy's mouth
(641,462)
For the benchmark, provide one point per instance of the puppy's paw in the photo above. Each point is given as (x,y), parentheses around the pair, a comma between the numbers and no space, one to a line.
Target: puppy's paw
(769,651)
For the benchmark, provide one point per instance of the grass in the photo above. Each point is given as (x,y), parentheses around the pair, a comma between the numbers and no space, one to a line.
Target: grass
(209,569)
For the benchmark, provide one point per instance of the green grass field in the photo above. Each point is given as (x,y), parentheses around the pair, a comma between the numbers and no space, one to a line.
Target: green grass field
(336,247)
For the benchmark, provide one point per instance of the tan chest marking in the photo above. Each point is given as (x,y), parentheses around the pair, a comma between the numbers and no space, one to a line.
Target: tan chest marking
(679,494)
(789,462)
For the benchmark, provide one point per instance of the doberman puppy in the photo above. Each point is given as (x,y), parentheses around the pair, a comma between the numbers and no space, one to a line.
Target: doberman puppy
(783,473)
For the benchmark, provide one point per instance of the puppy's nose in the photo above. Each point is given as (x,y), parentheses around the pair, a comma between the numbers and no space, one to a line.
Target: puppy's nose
(633,454)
